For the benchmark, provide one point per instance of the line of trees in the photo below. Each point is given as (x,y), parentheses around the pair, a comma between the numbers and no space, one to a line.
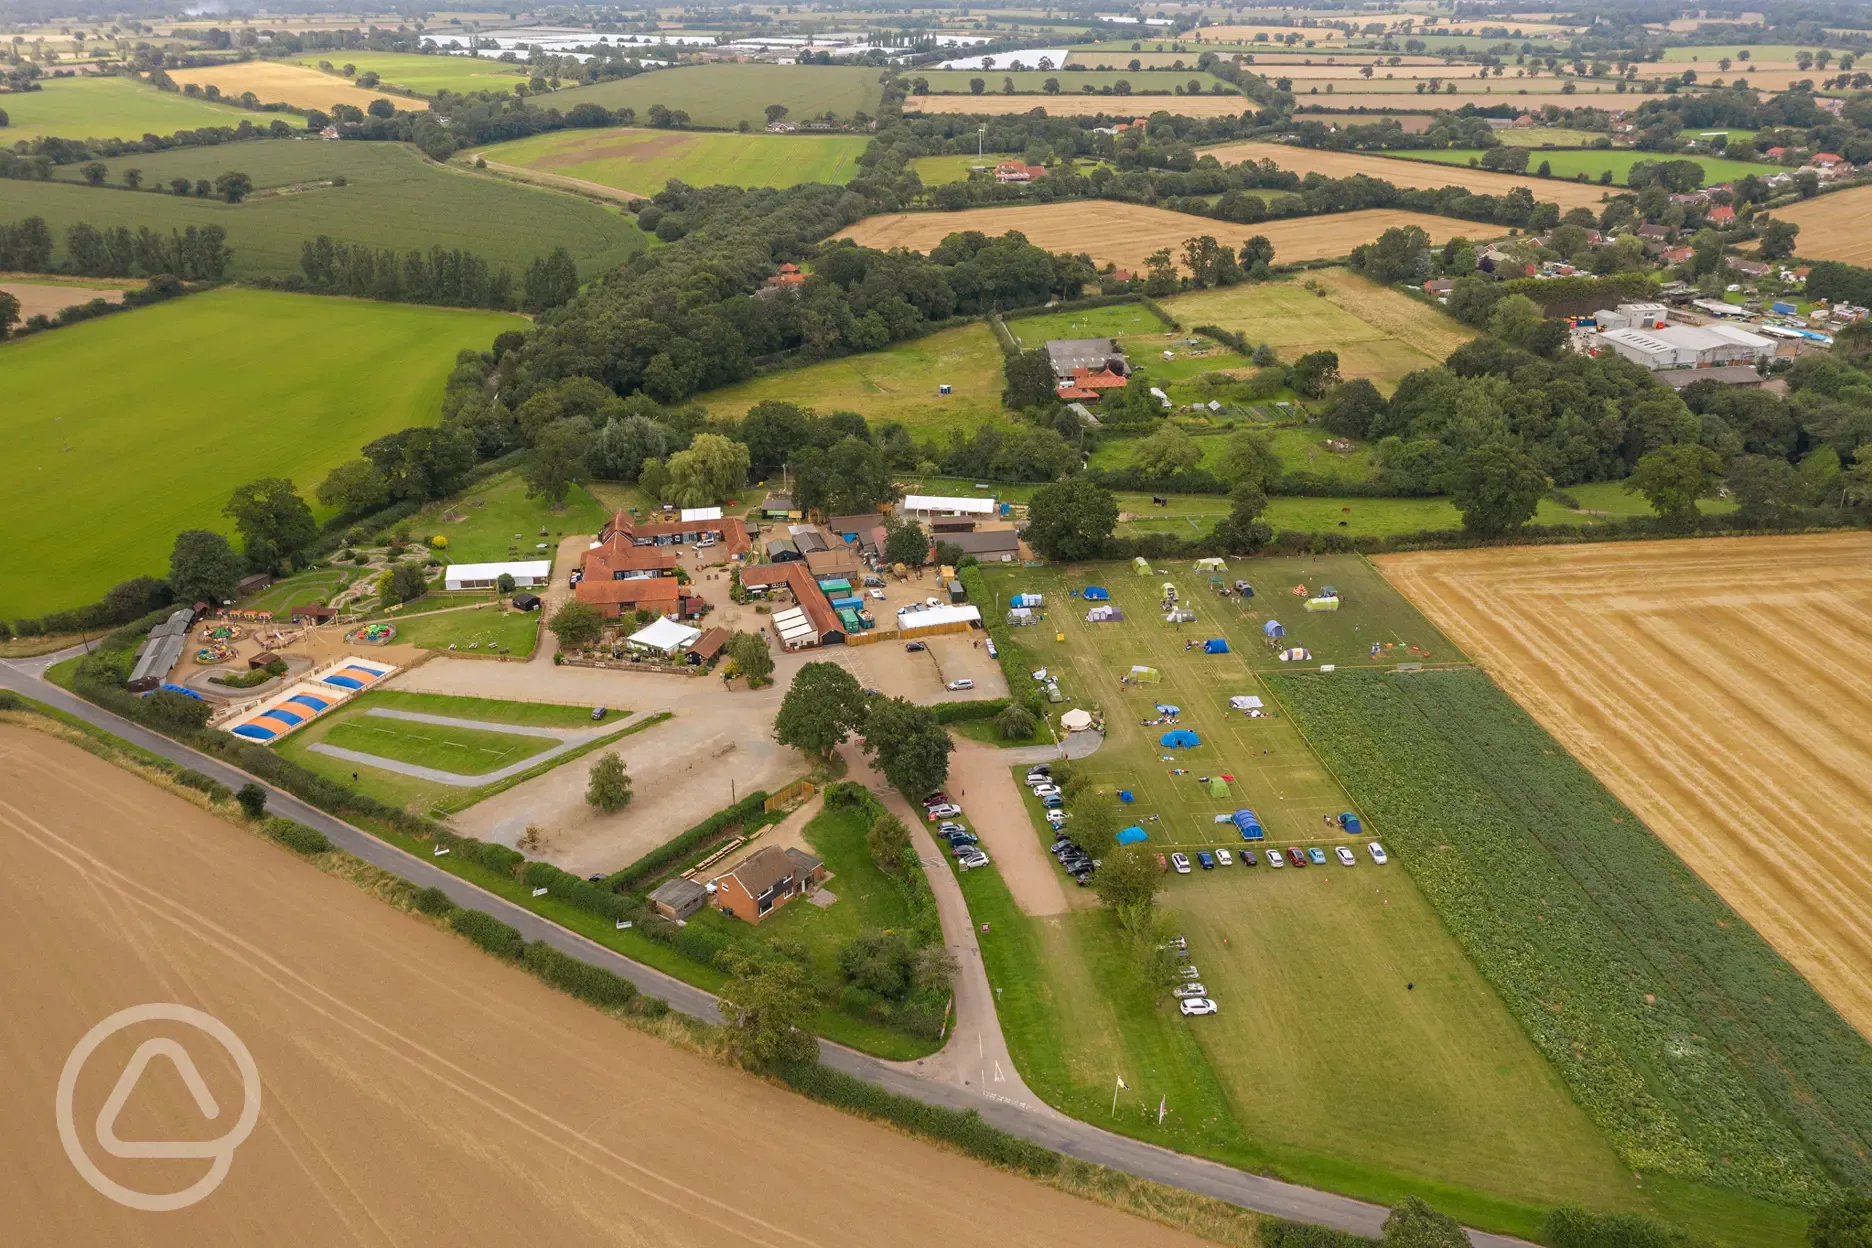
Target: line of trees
(196,254)
(445,276)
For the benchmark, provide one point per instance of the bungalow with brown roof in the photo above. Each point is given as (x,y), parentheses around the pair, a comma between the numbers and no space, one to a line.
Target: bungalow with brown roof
(661,595)
(731,531)
(708,645)
(766,880)
(1018,171)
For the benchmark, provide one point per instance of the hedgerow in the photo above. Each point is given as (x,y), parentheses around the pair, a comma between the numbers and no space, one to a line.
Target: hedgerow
(295,836)
(1280,1233)
(1645,991)
(489,932)
(672,850)
(581,979)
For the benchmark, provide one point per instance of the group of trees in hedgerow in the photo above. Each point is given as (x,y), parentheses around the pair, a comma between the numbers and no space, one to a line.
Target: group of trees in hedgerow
(199,253)
(824,706)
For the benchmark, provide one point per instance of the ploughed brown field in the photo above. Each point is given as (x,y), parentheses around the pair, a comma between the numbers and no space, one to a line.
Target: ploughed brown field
(1064,105)
(1720,688)
(414,1091)
(1124,234)
(1407,173)
(1833,227)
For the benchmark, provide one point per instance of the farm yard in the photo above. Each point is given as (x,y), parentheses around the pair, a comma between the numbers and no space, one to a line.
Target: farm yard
(642,161)
(1065,105)
(1704,685)
(391,197)
(1833,226)
(1125,234)
(1305,160)
(724,96)
(137,438)
(280,82)
(110,108)
(427,74)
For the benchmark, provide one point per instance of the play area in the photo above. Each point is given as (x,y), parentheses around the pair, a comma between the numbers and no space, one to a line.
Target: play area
(307,699)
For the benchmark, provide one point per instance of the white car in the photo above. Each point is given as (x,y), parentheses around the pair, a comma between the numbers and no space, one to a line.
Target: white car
(964,683)
(1188,972)
(944,811)
(878,594)
(1223,859)
(1181,863)
(970,861)
(1377,853)
(1345,857)
(932,602)
(1198,1005)
(1056,818)
(1046,790)
(1275,860)
(1189,990)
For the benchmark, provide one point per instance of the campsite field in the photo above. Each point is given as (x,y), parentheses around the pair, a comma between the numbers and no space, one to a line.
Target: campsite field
(724,96)
(1125,234)
(643,160)
(425,75)
(1833,226)
(391,197)
(1570,164)
(1143,83)
(1710,686)
(1321,1066)
(1065,105)
(282,82)
(897,383)
(113,108)
(137,438)
(1305,160)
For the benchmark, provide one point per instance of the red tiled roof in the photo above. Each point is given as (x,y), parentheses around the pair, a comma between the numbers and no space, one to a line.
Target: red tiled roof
(806,592)
(656,593)
(733,530)
(1075,392)
(619,554)
(1103,379)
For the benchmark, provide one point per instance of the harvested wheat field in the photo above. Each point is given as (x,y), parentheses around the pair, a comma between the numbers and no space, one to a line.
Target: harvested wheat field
(1124,234)
(1718,687)
(1084,105)
(42,298)
(276,82)
(1406,173)
(413,1090)
(1833,226)
(1306,105)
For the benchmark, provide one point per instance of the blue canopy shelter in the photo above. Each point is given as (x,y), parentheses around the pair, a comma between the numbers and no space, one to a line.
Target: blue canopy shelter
(1094,593)
(1273,629)
(1215,645)
(1249,826)
(1132,835)
(1350,823)
(1166,708)
(1181,739)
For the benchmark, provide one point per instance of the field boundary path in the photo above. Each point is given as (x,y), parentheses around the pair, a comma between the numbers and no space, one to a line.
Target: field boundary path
(1045,1127)
(568,739)
(560,182)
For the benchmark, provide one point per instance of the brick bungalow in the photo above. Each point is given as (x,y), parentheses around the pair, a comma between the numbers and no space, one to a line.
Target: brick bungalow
(766,880)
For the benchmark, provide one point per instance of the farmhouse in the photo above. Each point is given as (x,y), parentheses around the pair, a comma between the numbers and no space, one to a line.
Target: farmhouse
(766,880)
(1088,384)
(1095,354)
(1689,346)
(660,595)
(161,651)
(623,560)
(930,508)
(526,574)
(730,531)
(1017,171)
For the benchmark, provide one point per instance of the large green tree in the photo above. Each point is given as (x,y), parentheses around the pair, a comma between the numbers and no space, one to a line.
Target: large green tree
(1242,531)
(1768,490)
(905,542)
(576,624)
(767,1006)
(1496,487)
(911,748)
(1351,408)
(750,655)
(711,470)
(558,461)
(1249,458)
(1166,452)
(274,523)
(1128,875)
(850,478)
(1071,519)
(823,706)
(1673,478)
(1414,1224)
(354,488)
(1029,380)
(1844,1222)
(204,568)
(609,787)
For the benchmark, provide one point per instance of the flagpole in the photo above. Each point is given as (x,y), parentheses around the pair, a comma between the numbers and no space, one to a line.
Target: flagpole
(1115,1088)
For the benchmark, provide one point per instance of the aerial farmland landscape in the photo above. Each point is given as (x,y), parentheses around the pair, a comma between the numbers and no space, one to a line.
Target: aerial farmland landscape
(1048,625)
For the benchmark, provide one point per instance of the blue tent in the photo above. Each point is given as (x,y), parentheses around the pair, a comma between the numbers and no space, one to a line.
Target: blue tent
(1165,708)
(1350,823)
(1215,645)
(1273,629)
(1124,795)
(1181,739)
(1132,835)
(1248,825)
(1094,594)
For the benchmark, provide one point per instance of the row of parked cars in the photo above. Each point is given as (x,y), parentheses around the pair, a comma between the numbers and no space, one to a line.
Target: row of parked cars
(1293,854)
(1192,998)
(1079,864)
(964,844)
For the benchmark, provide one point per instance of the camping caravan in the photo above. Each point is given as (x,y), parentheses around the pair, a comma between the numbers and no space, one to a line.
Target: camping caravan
(1322,604)
(1273,629)
(1249,826)
(1215,645)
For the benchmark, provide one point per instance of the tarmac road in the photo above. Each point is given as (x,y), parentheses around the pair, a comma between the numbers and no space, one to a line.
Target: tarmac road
(1037,1124)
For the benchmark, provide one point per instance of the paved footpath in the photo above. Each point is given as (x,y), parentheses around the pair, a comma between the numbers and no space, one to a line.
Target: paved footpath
(1026,1118)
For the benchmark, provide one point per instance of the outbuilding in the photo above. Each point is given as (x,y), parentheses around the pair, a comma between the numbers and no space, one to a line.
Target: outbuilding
(526,574)
(678,899)
(931,621)
(665,637)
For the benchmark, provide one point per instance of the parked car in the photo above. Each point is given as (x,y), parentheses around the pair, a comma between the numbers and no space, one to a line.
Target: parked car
(949,825)
(956,686)
(1377,853)
(1206,858)
(1345,857)
(944,811)
(1039,771)
(877,594)
(959,837)
(1179,943)
(915,647)
(932,602)
(1316,856)
(1046,790)
(1295,856)
(1275,859)
(1188,972)
(972,858)
(1198,1006)
(1223,859)
(935,799)
(598,713)
(1247,857)
(1181,863)
(1052,801)
(1189,990)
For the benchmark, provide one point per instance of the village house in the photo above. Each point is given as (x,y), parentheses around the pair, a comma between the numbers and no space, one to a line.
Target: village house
(766,880)
(1016,171)
(1721,214)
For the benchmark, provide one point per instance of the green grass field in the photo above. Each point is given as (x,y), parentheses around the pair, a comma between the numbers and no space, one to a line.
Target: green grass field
(1294,321)
(465,751)
(426,75)
(392,197)
(1124,320)
(1769,53)
(114,108)
(497,522)
(898,383)
(304,587)
(1071,82)
(483,629)
(1558,136)
(721,96)
(644,160)
(160,413)
(1570,164)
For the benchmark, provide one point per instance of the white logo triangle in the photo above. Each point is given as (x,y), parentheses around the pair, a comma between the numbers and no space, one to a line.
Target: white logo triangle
(126,1084)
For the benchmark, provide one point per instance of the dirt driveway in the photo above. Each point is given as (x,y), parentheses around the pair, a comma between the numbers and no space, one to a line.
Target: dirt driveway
(983,786)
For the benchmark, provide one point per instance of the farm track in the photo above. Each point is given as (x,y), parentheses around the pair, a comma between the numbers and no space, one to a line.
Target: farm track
(560,182)
(1408,173)
(1714,686)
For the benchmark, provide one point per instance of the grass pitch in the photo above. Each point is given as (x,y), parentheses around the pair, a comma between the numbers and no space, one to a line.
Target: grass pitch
(722,96)
(112,108)
(391,197)
(465,751)
(644,160)
(426,75)
(124,431)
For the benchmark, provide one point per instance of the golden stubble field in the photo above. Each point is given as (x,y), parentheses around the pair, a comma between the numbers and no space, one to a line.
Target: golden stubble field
(1124,234)
(1833,227)
(1406,173)
(1064,105)
(277,82)
(414,1091)
(1721,689)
